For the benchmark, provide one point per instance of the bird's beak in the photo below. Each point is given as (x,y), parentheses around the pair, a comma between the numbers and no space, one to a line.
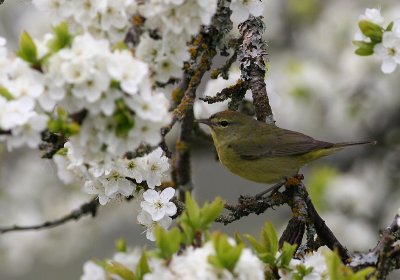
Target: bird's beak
(204,121)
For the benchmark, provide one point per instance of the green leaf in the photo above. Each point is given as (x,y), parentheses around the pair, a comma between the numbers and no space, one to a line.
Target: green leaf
(27,49)
(287,254)
(123,118)
(266,257)
(254,243)
(364,273)
(301,272)
(142,267)
(269,238)
(334,266)
(120,46)
(168,242)
(364,48)
(389,27)
(6,94)
(120,245)
(62,38)
(209,212)
(119,269)
(363,52)
(371,30)
(192,212)
(226,255)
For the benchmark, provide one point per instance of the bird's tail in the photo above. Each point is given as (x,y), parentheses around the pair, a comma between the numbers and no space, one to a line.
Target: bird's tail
(345,144)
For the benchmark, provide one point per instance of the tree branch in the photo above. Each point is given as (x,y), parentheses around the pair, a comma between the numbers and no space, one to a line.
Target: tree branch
(252,55)
(89,208)
(203,50)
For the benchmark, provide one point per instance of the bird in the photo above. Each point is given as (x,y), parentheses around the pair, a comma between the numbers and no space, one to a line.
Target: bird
(262,152)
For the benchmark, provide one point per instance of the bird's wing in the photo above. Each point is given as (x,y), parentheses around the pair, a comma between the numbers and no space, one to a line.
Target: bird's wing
(277,143)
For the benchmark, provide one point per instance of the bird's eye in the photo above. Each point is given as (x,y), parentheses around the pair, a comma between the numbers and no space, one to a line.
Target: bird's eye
(223,123)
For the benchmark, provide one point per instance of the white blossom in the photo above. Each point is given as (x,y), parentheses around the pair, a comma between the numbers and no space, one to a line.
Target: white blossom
(388,51)
(129,71)
(155,168)
(145,219)
(150,107)
(372,15)
(249,266)
(29,133)
(242,9)
(16,112)
(92,271)
(158,204)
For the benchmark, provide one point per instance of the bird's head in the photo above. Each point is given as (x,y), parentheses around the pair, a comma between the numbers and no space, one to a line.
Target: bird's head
(227,124)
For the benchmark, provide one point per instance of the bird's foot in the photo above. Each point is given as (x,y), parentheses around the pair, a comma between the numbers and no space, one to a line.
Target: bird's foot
(272,189)
(294,181)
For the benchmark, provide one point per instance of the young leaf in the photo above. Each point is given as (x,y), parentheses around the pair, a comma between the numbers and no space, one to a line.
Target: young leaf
(371,30)
(120,270)
(6,94)
(62,38)
(168,242)
(254,243)
(365,273)
(287,254)
(193,210)
(209,212)
(389,27)
(269,238)
(364,48)
(142,267)
(334,266)
(226,255)
(27,49)
(120,245)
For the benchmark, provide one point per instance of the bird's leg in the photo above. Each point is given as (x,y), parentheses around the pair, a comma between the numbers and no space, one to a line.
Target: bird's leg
(274,188)
(287,182)
(294,181)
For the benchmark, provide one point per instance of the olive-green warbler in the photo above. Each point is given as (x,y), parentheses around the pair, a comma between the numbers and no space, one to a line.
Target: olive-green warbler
(263,152)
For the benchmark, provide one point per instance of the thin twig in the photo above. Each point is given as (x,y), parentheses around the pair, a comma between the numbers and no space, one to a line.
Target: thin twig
(89,208)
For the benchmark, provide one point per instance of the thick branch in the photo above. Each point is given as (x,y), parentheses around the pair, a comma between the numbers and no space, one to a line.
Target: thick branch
(251,204)
(385,256)
(89,208)
(324,232)
(252,57)
(203,50)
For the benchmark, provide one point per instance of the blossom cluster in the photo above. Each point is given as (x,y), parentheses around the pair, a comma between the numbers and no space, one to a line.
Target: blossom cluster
(373,37)
(102,18)
(176,22)
(109,87)
(314,262)
(193,263)
(20,87)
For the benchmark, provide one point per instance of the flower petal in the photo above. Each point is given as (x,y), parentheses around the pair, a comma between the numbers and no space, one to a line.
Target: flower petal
(151,196)
(170,209)
(167,194)
(388,65)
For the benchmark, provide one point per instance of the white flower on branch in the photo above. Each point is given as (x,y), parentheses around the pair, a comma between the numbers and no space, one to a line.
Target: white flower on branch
(389,52)
(156,164)
(129,71)
(242,9)
(145,219)
(373,15)
(158,204)
(92,271)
